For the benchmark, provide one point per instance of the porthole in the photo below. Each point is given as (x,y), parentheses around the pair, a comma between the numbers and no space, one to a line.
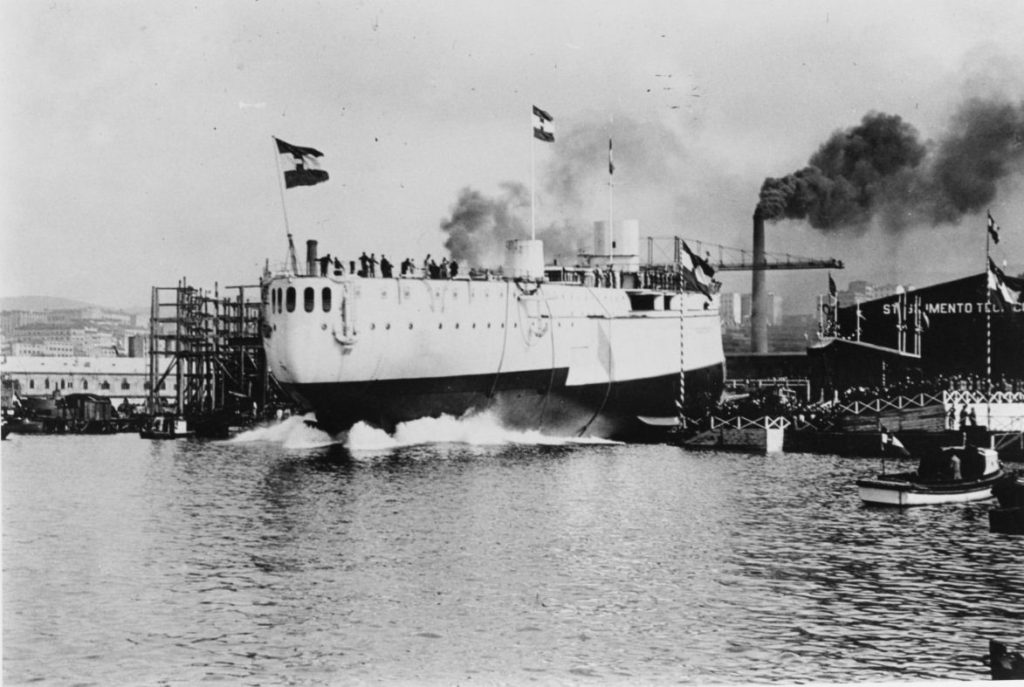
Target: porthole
(440,325)
(410,325)
(308,298)
(387,326)
(373,326)
(456,325)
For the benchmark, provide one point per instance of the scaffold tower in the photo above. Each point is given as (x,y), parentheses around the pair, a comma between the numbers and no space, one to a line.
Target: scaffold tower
(207,344)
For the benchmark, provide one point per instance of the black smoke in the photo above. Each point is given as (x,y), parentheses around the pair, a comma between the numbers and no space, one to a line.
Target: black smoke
(480,225)
(882,170)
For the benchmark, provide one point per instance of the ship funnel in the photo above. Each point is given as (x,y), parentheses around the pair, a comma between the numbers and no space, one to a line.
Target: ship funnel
(311,256)
(524,259)
(619,246)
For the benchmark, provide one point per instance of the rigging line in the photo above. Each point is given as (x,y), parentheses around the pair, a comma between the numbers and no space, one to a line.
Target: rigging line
(608,388)
(551,377)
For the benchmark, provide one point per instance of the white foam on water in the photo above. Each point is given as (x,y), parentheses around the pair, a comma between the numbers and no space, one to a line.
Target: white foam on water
(480,429)
(291,433)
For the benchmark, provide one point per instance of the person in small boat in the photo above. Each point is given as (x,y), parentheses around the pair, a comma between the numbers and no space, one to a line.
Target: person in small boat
(954,468)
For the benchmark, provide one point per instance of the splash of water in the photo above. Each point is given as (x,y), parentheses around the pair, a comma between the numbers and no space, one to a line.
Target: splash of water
(481,429)
(292,433)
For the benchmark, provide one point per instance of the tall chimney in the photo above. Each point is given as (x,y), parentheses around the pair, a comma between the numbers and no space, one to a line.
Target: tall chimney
(311,257)
(758,293)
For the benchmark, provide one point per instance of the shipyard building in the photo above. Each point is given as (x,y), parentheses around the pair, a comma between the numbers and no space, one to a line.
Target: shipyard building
(959,328)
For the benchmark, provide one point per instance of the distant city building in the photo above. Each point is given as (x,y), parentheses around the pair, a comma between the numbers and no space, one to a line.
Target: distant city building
(775,308)
(83,332)
(785,332)
(731,309)
(113,377)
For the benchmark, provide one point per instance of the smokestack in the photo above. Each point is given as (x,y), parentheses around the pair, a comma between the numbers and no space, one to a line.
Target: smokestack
(311,256)
(758,293)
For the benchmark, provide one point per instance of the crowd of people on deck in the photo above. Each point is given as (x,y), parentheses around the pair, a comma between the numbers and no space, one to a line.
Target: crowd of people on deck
(371,267)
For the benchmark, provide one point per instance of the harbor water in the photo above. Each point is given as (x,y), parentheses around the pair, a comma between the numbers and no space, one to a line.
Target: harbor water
(457,553)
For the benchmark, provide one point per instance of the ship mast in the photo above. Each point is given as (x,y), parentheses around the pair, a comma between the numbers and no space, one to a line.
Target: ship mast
(611,214)
(284,208)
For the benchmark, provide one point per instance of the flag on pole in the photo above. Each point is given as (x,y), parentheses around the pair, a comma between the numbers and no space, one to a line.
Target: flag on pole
(611,165)
(893,446)
(300,165)
(697,270)
(832,290)
(997,281)
(993,228)
(543,125)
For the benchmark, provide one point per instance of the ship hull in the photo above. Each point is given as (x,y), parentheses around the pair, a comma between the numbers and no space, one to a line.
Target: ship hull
(538,400)
(565,359)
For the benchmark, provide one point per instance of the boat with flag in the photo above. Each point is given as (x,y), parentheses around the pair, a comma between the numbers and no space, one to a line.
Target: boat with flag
(953,474)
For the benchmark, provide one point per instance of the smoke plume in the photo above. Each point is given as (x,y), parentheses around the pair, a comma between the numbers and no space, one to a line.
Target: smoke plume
(881,170)
(480,225)
(571,187)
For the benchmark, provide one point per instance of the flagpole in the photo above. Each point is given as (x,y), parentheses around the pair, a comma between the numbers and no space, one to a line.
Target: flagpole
(988,334)
(533,189)
(611,219)
(284,209)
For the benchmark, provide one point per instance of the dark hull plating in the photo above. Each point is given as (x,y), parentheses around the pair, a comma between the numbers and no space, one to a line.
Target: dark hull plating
(537,400)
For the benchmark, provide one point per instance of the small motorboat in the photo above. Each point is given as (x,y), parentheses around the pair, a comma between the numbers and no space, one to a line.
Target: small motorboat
(1004,663)
(954,474)
(1008,518)
(165,426)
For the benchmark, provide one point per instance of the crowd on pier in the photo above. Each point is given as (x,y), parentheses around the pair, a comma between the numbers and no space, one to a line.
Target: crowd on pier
(785,402)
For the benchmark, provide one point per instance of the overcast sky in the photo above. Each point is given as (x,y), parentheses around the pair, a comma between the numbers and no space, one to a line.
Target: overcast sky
(137,143)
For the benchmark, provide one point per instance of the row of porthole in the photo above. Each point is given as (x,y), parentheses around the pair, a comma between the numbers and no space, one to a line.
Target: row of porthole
(440,325)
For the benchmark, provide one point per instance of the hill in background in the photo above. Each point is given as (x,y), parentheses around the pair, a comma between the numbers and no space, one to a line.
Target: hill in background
(38,303)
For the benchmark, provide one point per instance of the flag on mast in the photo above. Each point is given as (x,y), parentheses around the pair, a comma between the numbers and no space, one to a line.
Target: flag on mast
(300,165)
(993,228)
(832,290)
(997,281)
(611,165)
(543,125)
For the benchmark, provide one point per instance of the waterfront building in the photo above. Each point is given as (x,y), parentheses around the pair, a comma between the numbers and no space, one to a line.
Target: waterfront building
(107,376)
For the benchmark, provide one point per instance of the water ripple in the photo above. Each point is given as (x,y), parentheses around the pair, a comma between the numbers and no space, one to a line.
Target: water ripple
(287,558)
